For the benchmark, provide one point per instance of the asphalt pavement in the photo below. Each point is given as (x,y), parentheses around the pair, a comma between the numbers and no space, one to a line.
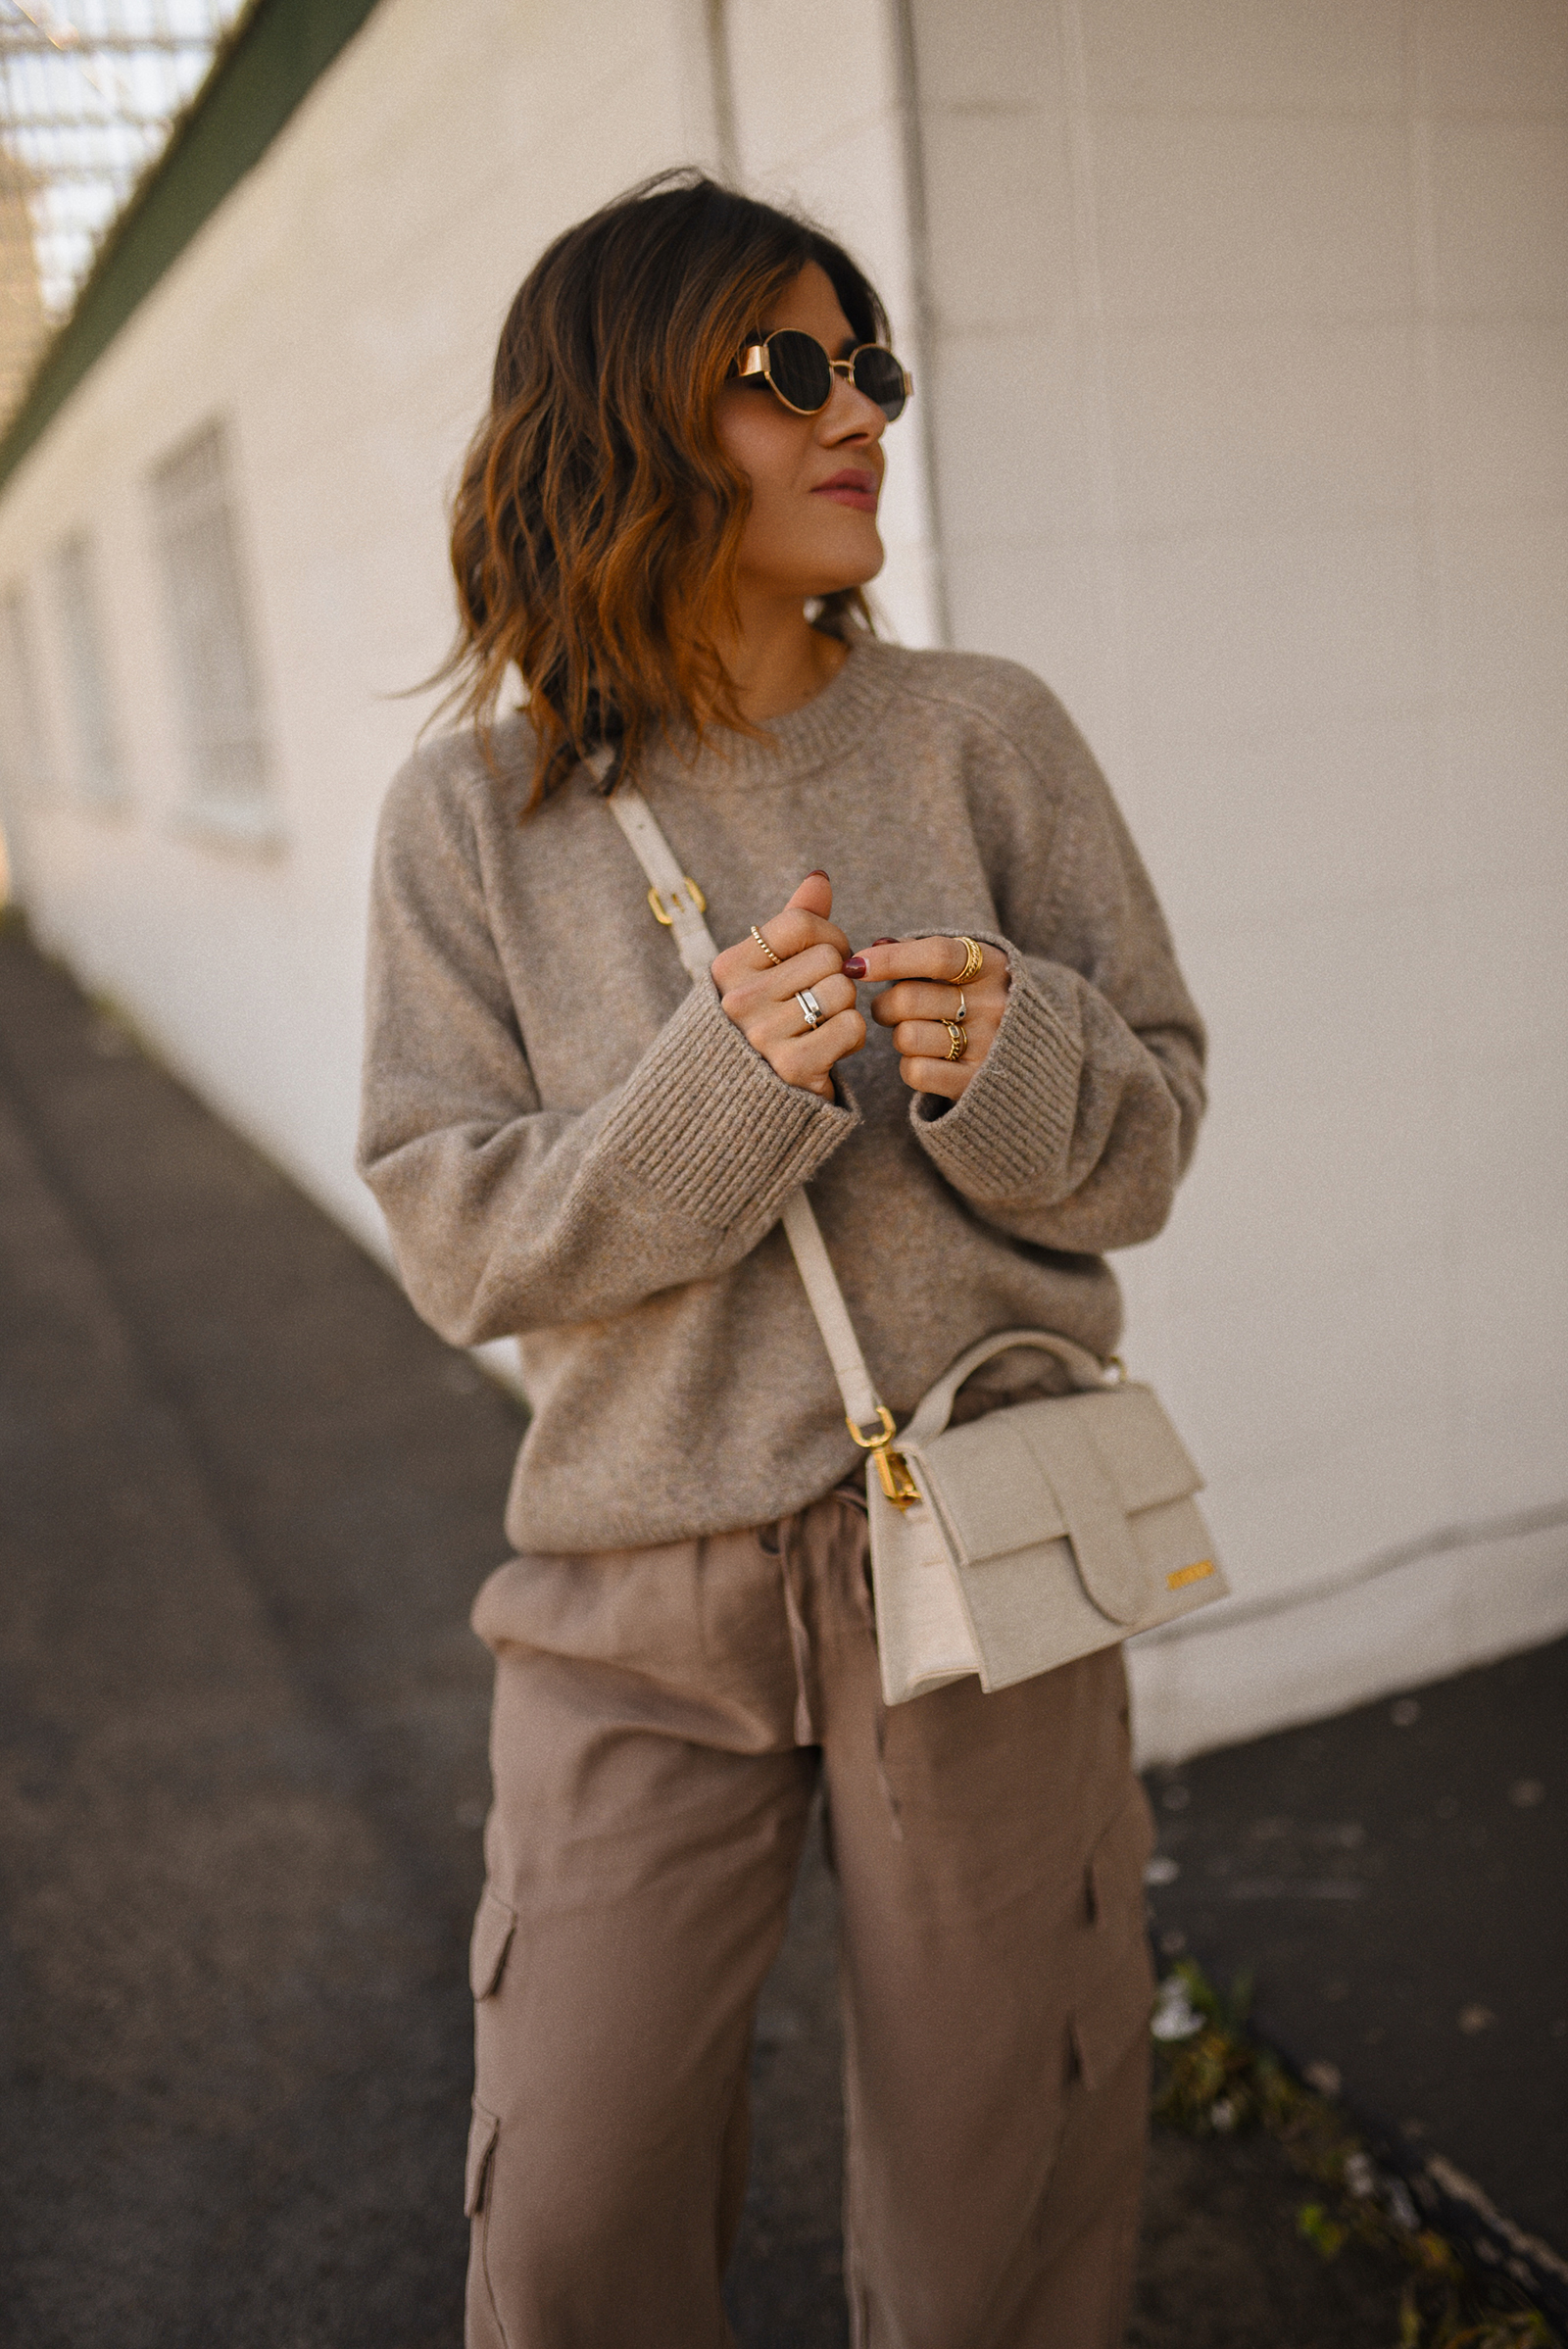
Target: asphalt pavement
(245,1500)
(1396,1881)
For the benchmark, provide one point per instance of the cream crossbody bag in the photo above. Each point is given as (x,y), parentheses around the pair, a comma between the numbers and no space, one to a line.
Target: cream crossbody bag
(1014,1543)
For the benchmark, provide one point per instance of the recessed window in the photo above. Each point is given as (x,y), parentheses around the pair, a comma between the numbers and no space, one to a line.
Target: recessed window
(227,756)
(27,745)
(99,773)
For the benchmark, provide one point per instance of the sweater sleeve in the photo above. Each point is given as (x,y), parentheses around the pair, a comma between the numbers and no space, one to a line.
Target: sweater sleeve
(1080,1122)
(506,1216)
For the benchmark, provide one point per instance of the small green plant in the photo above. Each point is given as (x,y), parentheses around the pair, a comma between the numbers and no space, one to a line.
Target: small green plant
(1325,2234)
(1212,2080)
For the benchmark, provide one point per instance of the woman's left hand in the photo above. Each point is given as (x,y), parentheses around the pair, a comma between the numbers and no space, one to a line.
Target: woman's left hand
(925,998)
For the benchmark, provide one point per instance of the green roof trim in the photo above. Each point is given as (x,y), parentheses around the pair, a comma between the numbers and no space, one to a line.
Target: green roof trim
(271,59)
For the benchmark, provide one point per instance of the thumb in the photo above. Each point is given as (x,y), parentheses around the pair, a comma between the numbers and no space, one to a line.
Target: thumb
(814,896)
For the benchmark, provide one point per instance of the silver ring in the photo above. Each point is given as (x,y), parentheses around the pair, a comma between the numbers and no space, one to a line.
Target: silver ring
(811,1008)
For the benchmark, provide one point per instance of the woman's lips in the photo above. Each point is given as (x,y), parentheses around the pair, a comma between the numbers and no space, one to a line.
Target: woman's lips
(859,490)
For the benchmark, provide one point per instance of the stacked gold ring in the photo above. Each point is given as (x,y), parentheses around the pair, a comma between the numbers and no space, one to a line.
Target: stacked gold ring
(762,943)
(973,959)
(958,1038)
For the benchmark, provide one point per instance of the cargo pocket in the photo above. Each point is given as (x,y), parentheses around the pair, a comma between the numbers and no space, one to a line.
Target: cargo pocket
(483,2129)
(493,1929)
(1116,1979)
(1110,2014)
(1114,1876)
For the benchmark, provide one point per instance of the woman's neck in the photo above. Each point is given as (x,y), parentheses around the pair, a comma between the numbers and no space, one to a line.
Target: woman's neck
(778,661)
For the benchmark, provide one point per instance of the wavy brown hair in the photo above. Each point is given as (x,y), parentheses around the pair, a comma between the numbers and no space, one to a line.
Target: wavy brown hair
(594,532)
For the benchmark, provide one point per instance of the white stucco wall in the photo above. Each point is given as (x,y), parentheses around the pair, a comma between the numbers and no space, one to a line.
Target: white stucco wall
(1252,400)
(1245,383)
(341,311)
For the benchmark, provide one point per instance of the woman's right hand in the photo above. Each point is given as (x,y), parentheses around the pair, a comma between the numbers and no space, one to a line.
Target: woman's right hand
(759,996)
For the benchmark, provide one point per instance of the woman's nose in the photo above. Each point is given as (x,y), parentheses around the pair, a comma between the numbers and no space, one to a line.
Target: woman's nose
(850,411)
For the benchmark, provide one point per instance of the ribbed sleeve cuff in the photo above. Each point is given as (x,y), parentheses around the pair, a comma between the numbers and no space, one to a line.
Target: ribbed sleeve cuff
(707,1125)
(1006,1135)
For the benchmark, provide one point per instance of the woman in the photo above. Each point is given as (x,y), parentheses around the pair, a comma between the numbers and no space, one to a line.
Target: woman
(665,525)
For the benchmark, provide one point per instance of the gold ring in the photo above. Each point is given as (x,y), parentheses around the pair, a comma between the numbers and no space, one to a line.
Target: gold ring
(973,959)
(958,1038)
(762,943)
(962,1012)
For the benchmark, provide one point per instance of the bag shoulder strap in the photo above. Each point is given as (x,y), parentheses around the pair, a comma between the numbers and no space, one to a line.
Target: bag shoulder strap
(677,902)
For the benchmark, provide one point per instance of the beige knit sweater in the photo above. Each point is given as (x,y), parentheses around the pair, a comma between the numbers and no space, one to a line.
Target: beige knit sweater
(572,1144)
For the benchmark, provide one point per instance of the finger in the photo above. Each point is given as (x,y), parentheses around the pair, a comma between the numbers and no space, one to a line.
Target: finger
(928,1040)
(935,957)
(769,1023)
(810,969)
(753,995)
(802,1058)
(814,895)
(931,1035)
(922,999)
(798,927)
(788,935)
(947,1078)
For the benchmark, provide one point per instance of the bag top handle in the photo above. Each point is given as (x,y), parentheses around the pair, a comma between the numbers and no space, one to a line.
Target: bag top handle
(1085,1369)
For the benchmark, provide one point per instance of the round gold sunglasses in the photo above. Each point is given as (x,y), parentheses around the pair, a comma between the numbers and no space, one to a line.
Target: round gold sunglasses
(796,367)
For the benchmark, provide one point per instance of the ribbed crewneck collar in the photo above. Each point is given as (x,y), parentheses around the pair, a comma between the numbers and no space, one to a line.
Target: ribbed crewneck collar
(821,729)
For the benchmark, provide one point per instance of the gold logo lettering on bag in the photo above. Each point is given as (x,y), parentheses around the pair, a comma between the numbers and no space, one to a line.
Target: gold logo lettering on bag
(891,1466)
(1189,1574)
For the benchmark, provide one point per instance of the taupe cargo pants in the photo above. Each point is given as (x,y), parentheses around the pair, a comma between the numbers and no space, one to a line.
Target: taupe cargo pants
(660,1719)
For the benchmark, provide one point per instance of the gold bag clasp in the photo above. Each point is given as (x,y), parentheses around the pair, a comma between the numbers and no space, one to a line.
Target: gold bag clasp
(897,1482)
(667,918)
(892,1468)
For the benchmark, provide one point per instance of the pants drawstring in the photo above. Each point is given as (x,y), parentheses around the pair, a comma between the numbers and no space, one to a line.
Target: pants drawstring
(859,1571)
(792,1577)
(782,1541)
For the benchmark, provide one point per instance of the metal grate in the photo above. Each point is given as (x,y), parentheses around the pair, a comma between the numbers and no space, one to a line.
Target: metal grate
(88,90)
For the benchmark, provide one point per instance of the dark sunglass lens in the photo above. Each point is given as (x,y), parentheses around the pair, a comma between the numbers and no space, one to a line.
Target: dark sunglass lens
(878,374)
(798,366)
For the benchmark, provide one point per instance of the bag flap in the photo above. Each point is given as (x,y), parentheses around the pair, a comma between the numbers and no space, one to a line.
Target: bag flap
(989,1483)
(1075,1465)
(987,1487)
(1147,1460)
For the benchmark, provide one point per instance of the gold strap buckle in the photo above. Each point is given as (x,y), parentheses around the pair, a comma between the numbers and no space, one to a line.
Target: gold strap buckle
(669,919)
(892,1468)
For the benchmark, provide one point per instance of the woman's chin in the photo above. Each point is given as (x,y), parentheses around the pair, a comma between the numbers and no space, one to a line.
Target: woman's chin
(835,580)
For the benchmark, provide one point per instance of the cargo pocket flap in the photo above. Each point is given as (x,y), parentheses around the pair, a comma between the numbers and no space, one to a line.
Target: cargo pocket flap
(1108,2018)
(493,1929)
(483,2129)
(1115,1871)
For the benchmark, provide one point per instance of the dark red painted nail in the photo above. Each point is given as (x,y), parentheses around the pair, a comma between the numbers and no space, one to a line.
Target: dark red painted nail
(884,941)
(855,968)
(819,872)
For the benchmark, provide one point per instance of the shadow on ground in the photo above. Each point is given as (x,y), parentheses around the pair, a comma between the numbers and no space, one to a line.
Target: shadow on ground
(242,1772)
